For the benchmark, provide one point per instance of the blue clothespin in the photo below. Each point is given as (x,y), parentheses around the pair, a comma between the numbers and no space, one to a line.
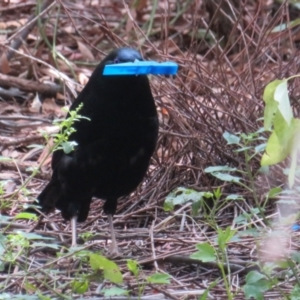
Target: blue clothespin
(295,227)
(141,67)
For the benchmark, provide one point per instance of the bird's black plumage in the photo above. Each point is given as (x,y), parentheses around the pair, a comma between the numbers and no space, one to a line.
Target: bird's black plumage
(114,146)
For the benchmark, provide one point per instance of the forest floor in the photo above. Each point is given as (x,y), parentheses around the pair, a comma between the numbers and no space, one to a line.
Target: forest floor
(187,232)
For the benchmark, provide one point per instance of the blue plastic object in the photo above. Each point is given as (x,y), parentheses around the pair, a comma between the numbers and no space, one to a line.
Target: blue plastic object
(141,67)
(295,227)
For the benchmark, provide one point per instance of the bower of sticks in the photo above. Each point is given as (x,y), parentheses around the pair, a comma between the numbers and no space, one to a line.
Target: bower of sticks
(227,51)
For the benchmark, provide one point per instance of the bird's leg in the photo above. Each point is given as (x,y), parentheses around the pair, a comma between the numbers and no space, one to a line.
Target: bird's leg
(113,249)
(74,231)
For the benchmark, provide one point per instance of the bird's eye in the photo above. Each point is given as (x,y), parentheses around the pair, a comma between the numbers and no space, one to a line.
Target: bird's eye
(116,61)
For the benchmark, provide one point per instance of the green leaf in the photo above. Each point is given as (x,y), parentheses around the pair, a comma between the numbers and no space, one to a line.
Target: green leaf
(285,26)
(242,219)
(234,197)
(80,287)
(182,195)
(256,285)
(295,294)
(217,193)
(296,257)
(27,216)
(243,149)
(219,168)
(279,28)
(274,192)
(226,177)
(30,288)
(159,278)
(43,297)
(196,206)
(283,141)
(114,291)
(294,152)
(205,253)
(254,276)
(260,148)
(47,245)
(110,269)
(231,138)
(133,267)
(274,152)
(32,236)
(210,287)
(271,105)
(224,236)
(3,240)
(264,170)
(281,95)
(68,147)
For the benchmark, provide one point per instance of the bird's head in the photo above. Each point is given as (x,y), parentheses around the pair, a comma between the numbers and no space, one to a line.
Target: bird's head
(122,55)
(117,56)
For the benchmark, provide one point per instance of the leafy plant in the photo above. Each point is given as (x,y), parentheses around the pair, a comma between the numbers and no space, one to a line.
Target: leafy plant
(183,195)
(285,129)
(157,278)
(207,253)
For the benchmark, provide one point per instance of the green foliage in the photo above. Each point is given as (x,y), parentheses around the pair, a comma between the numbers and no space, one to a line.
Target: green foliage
(224,237)
(207,253)
(110,270)
(86,236)
(80,286)
(295,294)
(284,140)
(61,139)
(27,216)
(256,285)
(287,26)
(60,142)
(205,295)
(159,278)
(156,278)
(183,195)
(133,267)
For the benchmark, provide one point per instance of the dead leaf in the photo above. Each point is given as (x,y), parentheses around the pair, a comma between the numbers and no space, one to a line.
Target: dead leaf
(85,51)
(35,104)
(82,78)
(4,64)
(10,186)
(50,107)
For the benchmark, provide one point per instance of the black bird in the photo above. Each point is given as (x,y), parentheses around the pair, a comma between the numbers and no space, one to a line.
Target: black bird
(113,149)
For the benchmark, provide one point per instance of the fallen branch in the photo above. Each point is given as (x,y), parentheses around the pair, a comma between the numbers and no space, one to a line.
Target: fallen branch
(30,86)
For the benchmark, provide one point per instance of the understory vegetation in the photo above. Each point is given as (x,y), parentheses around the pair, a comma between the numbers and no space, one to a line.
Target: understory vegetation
(217,214)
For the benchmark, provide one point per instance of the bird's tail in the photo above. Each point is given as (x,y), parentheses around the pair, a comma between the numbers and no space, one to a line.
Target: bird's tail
(73,203)
(48,198)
